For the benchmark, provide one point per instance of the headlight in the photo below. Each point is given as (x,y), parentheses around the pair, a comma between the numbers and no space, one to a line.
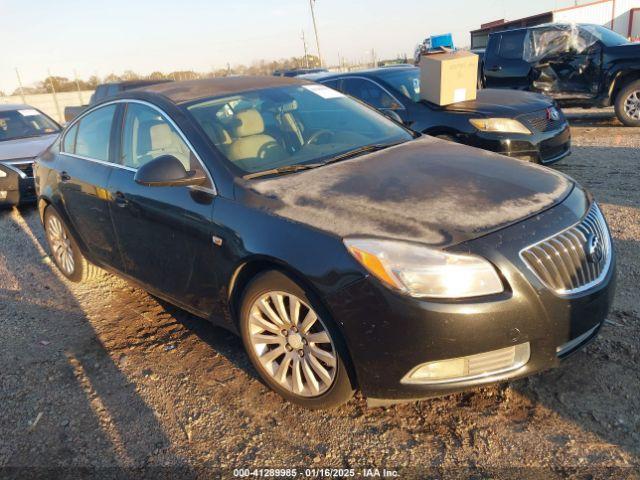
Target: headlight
(424,272)
(2,174)
(504,125)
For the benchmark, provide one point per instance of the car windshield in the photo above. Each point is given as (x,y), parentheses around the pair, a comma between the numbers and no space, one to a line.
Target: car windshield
(608,37)
(298,125)
(24,123)
(406,81)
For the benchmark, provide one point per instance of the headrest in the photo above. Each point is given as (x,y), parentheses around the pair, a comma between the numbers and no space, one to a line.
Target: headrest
(249,122)
(161,136)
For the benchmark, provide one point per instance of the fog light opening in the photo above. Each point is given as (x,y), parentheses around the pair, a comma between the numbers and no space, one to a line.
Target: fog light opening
(470,367)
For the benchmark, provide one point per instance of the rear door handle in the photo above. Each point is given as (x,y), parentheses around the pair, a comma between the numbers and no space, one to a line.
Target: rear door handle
(120,199)
(65,177)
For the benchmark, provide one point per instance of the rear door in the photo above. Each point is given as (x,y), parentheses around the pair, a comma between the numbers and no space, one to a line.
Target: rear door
(164,233)
(504,64)
(84,165)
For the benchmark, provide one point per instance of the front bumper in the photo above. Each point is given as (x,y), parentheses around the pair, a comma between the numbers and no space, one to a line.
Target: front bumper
(16,183)
(389,334)
(539,147)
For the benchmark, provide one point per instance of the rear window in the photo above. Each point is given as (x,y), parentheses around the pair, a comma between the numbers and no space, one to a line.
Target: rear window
(512,45)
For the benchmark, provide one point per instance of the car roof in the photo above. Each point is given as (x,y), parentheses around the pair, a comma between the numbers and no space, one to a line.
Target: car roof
(189,90)
(542,25)
(6,107)
(368,72)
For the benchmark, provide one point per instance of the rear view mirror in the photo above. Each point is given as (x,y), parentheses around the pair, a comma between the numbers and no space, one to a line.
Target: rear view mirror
(167,171)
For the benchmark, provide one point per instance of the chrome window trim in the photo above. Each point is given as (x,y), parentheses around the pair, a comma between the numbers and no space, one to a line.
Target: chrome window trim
(213,190)
(368,80)
(586,286)
(11,167)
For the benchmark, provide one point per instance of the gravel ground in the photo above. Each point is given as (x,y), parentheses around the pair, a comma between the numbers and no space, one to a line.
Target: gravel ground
(104,375)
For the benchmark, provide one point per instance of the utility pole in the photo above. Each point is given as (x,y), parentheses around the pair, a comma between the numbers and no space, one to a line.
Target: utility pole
(75,74)
(315,29)
(306,56)
(55,97)
(20,85)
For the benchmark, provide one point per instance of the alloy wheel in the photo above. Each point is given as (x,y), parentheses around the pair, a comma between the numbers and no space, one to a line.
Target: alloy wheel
(60,245)
(292,344)
(632,105)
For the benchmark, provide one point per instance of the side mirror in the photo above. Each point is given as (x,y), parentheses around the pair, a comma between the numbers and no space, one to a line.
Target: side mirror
(167,171)
(392,115)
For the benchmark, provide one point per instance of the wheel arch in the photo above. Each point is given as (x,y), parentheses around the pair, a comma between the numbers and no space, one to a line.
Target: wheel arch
(255,266)
(622,80)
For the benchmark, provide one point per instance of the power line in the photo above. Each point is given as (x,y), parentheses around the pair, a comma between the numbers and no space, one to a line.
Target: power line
(315,29)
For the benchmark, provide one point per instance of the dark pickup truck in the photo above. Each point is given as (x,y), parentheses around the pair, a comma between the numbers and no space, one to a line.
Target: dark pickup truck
(578,65)
(107,90)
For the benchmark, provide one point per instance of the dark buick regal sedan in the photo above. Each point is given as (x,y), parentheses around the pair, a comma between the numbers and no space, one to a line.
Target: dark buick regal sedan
(346,251)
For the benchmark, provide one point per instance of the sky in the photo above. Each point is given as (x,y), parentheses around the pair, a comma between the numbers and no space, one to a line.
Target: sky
(110,36)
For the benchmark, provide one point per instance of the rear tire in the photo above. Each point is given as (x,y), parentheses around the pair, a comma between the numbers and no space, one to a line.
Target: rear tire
(293,344)
(65,252)
(628,104)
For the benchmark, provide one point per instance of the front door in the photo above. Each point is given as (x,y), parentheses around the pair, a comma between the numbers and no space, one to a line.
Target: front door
(164,232)
(85,164)
(504,64)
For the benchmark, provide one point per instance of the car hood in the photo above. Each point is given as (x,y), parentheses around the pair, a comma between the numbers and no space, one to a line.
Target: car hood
(427,190)
(22,148)
(494,102)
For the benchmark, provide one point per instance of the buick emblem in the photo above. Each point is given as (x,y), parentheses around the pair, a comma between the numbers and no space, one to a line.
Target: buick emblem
(553,114)
(594,249)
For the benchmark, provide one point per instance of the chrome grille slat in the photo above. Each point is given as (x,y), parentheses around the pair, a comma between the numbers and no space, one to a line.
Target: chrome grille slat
(577,254)
(561,259)
(561,262)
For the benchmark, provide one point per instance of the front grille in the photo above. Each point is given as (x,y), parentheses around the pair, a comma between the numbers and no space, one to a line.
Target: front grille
(539,121)
(575,259)
(548,153)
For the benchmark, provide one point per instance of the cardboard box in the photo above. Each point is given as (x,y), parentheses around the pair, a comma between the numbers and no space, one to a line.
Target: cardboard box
(448,77)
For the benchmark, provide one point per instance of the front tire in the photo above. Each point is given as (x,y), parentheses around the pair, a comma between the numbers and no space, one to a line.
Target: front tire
(293,344)
(64,250)
(628,104)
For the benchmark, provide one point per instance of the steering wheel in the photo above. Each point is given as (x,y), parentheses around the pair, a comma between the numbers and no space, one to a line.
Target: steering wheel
(317,135)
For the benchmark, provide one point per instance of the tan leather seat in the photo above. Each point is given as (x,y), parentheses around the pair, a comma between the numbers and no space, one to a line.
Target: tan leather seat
(165,141)
(250,140)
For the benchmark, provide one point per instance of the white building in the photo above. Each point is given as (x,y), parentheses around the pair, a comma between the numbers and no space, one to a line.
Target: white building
(622,16)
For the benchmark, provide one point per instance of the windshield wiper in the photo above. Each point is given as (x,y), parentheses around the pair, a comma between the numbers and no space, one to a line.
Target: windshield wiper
(284,169)
(307,166)
(361,150)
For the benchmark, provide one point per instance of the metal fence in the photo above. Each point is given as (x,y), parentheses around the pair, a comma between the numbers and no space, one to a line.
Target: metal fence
(53,104)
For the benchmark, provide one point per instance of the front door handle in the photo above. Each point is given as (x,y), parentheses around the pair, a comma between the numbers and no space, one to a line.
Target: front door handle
(65,177)
(495,68)
(120,199)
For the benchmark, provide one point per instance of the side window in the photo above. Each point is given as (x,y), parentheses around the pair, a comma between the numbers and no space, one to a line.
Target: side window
(69,144)
(147,135)
(368,92)
(512,45)
(94,132)
(112,90)
(332,83)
